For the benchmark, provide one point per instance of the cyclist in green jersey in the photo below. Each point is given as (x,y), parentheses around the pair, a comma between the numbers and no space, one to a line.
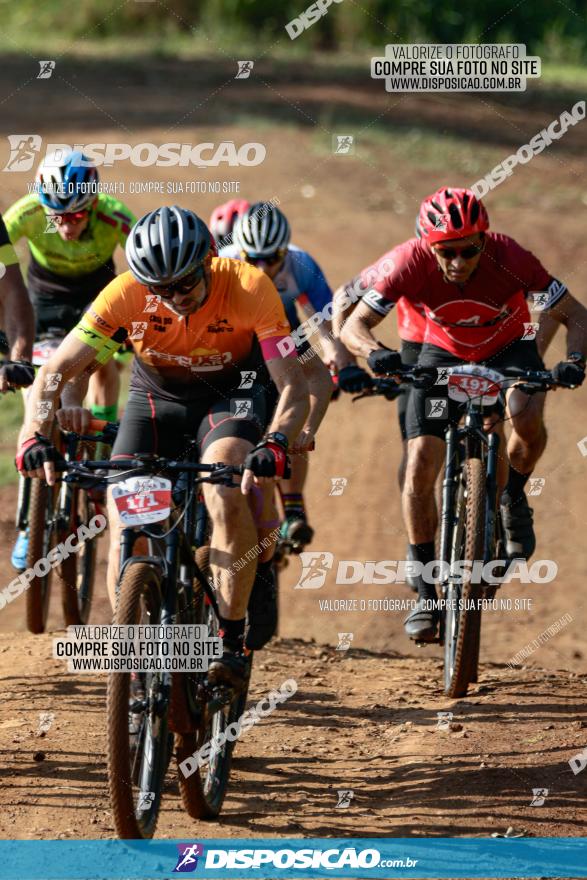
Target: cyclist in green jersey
(72,231)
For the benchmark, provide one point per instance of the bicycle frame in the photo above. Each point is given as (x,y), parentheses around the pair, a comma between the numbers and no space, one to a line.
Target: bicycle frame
(469,440)
(170,548)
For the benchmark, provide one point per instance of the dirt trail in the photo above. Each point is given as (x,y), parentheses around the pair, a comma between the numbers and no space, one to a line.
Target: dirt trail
(361,721)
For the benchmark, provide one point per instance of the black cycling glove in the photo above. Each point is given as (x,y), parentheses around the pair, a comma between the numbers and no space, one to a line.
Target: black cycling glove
(384,360)
(35,452)
(269,459)
(353,379)
(569,373)
(18,373)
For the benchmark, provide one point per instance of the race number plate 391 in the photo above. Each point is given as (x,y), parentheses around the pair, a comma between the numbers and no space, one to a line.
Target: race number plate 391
(142,500)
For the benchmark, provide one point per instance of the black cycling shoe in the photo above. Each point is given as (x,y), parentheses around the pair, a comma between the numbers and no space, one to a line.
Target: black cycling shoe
(412,581)
(520,540)
(231,670)
(262,609)
(421,623)
(296,530)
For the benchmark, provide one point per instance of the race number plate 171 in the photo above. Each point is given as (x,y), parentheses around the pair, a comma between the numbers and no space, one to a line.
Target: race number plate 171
(142,500)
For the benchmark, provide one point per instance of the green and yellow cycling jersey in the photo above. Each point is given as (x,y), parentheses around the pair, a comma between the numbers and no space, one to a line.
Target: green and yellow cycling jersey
(110,223)
(7,253)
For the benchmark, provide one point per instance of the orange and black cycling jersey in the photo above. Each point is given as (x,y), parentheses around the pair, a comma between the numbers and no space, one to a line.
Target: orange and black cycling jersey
(198,356)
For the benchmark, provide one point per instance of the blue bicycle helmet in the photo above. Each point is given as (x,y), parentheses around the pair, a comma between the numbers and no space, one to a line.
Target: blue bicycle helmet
(66,181)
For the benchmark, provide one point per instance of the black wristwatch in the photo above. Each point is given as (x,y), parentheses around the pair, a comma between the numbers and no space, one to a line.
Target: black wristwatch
(279,438)
(575,357)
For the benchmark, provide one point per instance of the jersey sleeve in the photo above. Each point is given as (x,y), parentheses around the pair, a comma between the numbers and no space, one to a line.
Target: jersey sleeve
(7,253)
(537,282)
(310,279)
(269,321)
(19,219)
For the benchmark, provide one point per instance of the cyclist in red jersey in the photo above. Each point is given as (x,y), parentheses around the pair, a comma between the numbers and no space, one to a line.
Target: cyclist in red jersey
(223,218)
(473,286)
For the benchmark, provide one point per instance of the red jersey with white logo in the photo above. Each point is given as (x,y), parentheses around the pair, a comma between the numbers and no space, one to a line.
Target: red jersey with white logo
(411,320)
(473,320)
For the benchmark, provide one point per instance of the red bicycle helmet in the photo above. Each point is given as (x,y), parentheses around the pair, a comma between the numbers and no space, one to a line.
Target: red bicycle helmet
(224,216)
(449,214)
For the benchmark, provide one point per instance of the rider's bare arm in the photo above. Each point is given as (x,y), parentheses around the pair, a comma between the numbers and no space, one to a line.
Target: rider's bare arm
(570,312)
(293,405)
(547,327)
(356,333)
(342,309)
(69,361)
(73,416)
(331,349)
(20,318)
(320,388)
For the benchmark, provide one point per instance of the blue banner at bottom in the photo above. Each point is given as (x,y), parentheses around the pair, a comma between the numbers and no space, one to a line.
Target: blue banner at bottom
(288,857)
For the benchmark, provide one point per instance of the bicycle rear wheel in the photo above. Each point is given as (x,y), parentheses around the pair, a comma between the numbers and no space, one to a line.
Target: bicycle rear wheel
(42,537)
(204,790)
(137,760)
(462,629)
(76,573)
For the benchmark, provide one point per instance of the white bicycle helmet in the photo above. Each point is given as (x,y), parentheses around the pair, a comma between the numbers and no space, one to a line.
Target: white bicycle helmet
(261,231)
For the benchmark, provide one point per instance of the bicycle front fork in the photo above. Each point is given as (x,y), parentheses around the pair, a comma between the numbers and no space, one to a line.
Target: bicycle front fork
(491,505)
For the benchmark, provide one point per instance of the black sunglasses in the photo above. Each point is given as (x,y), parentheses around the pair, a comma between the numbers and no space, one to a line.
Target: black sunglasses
(467,253)
(183,286)
(269,261)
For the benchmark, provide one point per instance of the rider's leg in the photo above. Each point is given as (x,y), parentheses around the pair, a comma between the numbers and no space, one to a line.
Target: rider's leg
(526,445)
(528,437)
(263,506)
(425,456)
(104,390)
(233,532)
(295,526)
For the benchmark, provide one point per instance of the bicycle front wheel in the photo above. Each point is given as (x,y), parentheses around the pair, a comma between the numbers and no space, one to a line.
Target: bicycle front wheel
(462,629)
(76,573)
(138,737)
(42,537)
(203,791)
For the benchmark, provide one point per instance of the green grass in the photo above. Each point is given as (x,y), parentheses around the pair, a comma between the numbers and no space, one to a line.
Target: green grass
(11,413)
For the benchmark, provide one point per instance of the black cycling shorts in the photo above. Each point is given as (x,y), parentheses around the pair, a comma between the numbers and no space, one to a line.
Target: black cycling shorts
(410,352)
(59,300)
(520,353)
(153,425)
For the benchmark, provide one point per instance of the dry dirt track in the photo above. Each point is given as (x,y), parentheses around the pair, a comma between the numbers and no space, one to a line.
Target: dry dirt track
(365,720)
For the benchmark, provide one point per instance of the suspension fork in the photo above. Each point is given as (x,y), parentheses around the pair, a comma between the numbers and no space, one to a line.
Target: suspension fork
(22,507)
(491,496)
(451,466)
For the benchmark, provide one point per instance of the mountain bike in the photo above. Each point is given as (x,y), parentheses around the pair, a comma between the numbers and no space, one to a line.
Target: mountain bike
(470,521)
(171,583)
(53,513)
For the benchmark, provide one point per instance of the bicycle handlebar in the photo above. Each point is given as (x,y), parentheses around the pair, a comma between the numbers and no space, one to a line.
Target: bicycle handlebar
(529,381)
(219,472)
